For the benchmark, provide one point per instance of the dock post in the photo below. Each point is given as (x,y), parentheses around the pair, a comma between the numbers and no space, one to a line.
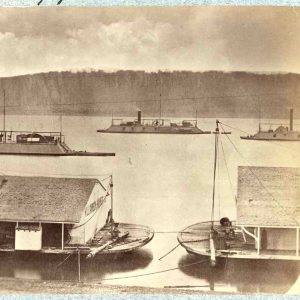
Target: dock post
(297,241)
(4,129)
(258,240)
(62,235)
(111,197)
(79,279)
(112,206)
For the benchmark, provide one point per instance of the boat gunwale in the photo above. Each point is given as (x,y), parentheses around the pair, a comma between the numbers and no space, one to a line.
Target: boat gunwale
(236,254)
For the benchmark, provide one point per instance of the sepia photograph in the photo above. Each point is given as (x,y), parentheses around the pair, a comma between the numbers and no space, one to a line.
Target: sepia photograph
(150,150)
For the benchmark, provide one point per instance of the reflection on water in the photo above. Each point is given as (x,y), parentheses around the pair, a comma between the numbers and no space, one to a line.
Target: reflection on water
(246,276)
(50,267)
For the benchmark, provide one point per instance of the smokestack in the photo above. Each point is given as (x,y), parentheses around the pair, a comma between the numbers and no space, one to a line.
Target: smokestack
(139,117)
(291,119)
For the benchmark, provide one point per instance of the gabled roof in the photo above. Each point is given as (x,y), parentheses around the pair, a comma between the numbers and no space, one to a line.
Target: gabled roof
(268,196)
(44,199)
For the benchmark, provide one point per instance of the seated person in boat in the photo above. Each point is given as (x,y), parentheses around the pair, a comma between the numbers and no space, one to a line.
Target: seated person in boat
(224,234)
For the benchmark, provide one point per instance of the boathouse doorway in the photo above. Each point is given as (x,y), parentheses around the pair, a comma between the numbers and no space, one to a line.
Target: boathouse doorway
(7,235)
(52,235)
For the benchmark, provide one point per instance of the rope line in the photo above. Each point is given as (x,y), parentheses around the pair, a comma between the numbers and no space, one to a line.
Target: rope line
(61,263)
(156,272)
(258,179)
(229,179)
(169,252)
(273,142)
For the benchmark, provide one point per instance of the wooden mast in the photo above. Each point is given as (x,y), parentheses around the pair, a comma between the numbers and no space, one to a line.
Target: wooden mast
(215,169)
(112,223)
(4,112)
(259,116)
(212,232)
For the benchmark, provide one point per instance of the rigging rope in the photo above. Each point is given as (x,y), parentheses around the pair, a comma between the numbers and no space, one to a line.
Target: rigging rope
(258,179)
(62,262)
(273,142)
(157,272)
(229,179)
(169,251)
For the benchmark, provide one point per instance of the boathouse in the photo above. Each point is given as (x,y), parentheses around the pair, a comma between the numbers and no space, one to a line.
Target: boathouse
(268,207)
(40,213)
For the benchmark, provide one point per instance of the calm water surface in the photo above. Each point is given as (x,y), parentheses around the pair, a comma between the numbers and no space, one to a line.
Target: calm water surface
(165,182)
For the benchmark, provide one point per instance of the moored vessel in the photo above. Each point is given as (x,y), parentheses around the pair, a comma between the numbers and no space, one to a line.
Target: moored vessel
(268,218)
(52,215)
(153,126)
(281,133)
(37,143)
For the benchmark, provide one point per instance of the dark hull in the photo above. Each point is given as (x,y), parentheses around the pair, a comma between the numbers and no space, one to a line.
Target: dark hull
(268,139)
(44,150)
(152,130)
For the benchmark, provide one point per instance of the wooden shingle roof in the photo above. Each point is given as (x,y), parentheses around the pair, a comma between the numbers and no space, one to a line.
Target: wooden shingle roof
(44,199)
(268,196)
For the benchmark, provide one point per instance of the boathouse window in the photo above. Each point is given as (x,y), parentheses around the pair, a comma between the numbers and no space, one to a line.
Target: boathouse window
(274,135)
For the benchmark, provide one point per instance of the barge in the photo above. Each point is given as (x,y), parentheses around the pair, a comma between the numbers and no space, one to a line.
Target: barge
(39,144)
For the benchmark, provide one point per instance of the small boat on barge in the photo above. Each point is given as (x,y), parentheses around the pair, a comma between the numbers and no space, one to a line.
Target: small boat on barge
(63,216)
(281,133)
(268,218)
(153,126)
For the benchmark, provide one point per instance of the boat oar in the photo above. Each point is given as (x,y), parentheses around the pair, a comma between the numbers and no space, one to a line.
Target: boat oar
(109,243)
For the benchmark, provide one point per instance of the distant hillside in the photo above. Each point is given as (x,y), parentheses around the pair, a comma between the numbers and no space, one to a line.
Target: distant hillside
(235,94)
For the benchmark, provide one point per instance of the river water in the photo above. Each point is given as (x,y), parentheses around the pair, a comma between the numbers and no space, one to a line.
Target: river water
(165,182)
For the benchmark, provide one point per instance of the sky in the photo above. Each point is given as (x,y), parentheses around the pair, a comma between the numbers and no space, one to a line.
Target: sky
(256,39)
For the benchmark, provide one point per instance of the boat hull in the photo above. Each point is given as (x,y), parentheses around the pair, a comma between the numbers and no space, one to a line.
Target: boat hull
(138,237)
(44,150)
(268,139)
(289,136)
(195,240)
(153,130)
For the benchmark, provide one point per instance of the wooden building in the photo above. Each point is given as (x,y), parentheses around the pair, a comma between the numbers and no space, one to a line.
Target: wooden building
(268,205)
(268,219)
(42,213)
